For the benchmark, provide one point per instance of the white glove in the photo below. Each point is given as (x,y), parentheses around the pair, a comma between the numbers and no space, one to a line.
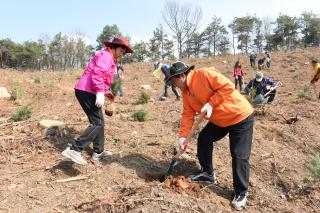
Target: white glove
(99,99)
(183,144)
(207,108)
(272,88)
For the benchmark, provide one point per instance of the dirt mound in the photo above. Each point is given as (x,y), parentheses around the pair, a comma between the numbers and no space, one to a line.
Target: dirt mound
(182,184)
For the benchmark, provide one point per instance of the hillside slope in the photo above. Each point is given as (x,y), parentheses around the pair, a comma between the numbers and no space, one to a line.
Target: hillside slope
(31,163)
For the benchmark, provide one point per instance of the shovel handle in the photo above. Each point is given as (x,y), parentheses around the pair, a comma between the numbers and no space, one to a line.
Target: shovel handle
(177,154)
(277,84)
(195,127)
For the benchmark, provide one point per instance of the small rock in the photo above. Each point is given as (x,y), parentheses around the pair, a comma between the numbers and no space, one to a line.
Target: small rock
(283,196)
(52,123)
(152,100)
(124,116)
(82,118)
(145,86)
(4,93)
(225,204)
(18,102)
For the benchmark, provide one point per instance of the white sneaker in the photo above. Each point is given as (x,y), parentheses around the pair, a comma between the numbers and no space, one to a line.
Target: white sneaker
(239,202)
(74,156)
(96,156)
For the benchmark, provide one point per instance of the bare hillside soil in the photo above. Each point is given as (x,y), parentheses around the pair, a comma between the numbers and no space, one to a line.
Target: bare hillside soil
(34,176)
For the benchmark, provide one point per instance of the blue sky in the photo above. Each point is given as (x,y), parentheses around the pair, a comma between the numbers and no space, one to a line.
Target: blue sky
(23,20)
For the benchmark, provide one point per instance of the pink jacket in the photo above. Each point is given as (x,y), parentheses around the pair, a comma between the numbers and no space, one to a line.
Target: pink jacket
(237,71)
(98,75)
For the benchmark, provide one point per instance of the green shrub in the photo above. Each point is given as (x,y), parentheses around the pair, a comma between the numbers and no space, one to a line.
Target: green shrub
(252,94)
(313,170)
(60,77)
(143,98)
(48,83)
(304,92)
(136,144)
(37,80)
(116,85)
(140,115)
(22,113)
(16,92)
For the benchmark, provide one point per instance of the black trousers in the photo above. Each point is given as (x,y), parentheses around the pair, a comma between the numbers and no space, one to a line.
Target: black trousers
(95,131)
(174,89)
(252,62)
(240,136)
(271,96)
(238,80)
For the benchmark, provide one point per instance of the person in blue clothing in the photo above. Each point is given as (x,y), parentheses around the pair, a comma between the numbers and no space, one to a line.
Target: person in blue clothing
(262,63)
(119,77)
(264,86)
(165,69)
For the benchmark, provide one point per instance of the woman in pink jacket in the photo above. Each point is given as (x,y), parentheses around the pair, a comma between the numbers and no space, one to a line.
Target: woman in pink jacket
(238,75)
(90,91)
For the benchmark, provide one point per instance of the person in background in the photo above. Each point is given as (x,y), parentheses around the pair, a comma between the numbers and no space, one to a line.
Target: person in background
(252,58)
(167,83)
(262,63)
(90,92)
(268,59)
(262,85)
(207,92)
(119,78)
(238,75)
(316,73)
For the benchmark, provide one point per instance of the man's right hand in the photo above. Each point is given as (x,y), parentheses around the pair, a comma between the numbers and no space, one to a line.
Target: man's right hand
(183,144)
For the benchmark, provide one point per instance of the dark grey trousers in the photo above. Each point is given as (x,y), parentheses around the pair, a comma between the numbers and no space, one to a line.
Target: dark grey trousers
(95,131)
(174,89)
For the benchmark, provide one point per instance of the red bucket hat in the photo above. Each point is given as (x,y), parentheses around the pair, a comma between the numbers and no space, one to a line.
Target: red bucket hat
(118,40)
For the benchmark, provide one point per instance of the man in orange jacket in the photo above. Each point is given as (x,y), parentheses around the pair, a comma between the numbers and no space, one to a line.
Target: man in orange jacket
(316,73)
(208,92)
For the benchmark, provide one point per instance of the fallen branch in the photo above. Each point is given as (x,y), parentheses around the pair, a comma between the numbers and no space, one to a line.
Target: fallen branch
(72,179)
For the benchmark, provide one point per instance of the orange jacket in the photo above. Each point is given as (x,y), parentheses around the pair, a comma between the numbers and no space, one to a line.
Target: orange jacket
(316,73)
(207,85)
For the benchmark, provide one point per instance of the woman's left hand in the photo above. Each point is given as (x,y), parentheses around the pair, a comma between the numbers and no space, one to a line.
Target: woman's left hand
(110,96)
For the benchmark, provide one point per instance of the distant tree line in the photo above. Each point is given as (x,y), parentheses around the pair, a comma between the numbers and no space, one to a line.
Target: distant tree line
(248,33)
(61,53)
